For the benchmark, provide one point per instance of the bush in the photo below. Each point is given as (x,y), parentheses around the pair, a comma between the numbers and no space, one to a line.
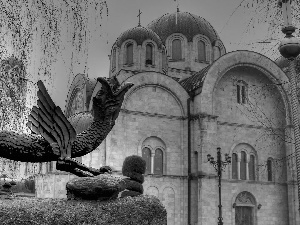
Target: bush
(134,164)
(13,182)
(135,176)
(132,185)
(141,210)
(21,187)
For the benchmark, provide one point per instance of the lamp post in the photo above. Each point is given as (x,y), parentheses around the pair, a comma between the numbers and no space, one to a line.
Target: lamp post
(289,48)
(219,165)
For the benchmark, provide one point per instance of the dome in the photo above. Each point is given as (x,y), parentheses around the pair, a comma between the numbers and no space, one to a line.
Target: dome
(81,121)
(139,34)
(187,24)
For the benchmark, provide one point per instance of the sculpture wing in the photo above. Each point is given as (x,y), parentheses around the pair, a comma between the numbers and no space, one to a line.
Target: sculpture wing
(49,121)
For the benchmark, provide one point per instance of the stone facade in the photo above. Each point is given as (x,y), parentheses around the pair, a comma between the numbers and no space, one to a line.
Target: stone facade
(154,114)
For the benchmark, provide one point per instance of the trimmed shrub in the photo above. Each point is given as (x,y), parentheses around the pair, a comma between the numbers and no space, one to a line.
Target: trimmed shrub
(135,176)
(7,185)
(13,182)
(141,210)
(131,185)
(105,169)
(100,187)
(135,164)
(128,193)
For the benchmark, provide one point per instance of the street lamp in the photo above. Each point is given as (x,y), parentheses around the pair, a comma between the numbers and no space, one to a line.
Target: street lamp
(219,165)
(289,48)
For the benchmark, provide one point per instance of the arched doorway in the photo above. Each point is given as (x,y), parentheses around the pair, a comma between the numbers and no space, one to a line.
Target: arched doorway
(245,206)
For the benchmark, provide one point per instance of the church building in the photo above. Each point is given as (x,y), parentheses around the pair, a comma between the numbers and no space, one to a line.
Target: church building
(189,98)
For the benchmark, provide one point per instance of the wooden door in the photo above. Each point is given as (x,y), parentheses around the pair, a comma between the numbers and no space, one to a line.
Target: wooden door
(244,215)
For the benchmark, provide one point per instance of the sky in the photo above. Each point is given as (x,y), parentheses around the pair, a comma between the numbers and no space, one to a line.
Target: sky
(229,23)
(122,16)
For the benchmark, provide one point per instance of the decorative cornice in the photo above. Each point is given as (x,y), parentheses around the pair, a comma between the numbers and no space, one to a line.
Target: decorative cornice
(166,176)
(181,70)
(248,126)
(215,176)
(152,114)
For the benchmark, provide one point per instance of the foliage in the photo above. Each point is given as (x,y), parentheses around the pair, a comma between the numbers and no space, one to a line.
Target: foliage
(134,163)
(268,12)
(103,186)
(133,185)
(137,210)
(34,36)
(42,33)
(20,186)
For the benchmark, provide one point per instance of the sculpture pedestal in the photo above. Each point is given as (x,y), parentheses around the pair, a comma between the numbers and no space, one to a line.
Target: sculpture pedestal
(52,185)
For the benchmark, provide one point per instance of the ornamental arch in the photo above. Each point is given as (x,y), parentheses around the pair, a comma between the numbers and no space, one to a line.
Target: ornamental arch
(205,102)
(153,150)
(163,83)
(245,209)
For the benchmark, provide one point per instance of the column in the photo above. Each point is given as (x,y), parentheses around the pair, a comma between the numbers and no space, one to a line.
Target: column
(152,162)
(238,165)
(247,166)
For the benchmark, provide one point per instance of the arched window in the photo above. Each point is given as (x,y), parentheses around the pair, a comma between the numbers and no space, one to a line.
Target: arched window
(241,90)
(26,168)
(114,59)
(234,166)
(158,162)
(243,165)
(176,49)
(217,52)
(129,54)
(252,168)
(149,54)
(40,167)
(50,166)
(201,51)
(146,155)
(270,171)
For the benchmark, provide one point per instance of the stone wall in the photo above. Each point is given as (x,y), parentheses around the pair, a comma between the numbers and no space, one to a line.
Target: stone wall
(172,192)
(272,197)
(52,185)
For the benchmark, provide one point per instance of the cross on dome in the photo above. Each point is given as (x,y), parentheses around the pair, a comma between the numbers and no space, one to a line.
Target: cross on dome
(139,16)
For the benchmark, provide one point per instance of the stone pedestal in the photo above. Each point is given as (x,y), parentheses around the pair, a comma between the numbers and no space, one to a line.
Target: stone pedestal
(52,185)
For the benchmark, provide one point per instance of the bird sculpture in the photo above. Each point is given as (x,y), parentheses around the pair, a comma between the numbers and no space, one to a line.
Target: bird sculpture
(55,139)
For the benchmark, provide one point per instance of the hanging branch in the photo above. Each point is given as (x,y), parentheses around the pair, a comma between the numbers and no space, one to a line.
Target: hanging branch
(260,12)
(39,33)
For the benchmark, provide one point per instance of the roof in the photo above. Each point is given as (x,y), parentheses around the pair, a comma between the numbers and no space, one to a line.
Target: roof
(81,121)
(187,24)
(139,34)
(195,81)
